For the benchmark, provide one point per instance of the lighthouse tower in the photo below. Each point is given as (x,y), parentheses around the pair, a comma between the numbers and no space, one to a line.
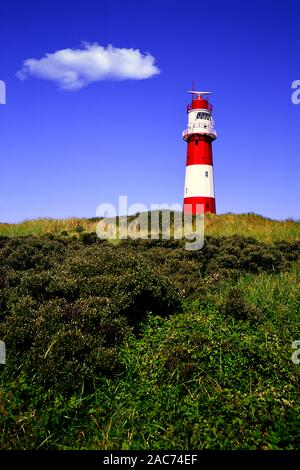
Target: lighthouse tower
(199,193)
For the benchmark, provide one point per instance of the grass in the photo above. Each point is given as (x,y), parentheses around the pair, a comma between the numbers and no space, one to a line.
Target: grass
(250,225)
(195,380)
(145,345)
(44,226)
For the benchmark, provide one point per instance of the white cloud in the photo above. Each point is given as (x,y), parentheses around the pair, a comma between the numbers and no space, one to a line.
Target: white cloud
(72,69)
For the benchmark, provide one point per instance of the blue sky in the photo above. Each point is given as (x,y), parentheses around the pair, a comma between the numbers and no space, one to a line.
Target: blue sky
(63,152)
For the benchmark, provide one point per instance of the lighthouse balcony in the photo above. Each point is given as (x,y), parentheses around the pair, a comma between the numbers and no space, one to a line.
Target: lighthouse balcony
(199,104)
(199,130)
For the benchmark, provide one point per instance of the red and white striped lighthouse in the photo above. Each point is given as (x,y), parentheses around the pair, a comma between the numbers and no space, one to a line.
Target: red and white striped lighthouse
(199,179)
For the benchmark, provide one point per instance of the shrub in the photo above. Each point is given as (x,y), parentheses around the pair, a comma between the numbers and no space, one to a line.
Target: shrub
(98,353)
(88,238)
(79,228)
(238,308)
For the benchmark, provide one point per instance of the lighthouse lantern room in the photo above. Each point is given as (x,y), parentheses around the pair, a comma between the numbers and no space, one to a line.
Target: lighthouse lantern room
(199,194)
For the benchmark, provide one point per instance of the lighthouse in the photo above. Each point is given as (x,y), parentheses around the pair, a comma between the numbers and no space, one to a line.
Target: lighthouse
(199,193)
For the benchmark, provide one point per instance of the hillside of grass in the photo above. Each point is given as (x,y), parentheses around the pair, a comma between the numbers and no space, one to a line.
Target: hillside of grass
(145,345)
(249,225)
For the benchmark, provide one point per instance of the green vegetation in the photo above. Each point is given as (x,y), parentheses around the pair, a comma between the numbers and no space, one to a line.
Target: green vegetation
(145,345)
(248,225)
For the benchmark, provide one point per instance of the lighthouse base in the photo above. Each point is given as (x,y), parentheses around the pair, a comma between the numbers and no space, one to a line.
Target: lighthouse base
(199,205)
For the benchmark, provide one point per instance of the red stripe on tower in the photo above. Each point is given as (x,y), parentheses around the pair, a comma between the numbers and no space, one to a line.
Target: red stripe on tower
(199,193)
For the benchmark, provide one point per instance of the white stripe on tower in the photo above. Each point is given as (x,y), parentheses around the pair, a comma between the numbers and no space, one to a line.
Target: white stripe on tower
(199,181)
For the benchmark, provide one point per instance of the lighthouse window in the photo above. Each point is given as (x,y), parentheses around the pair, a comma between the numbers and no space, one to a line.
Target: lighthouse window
(202,115)
(206,174)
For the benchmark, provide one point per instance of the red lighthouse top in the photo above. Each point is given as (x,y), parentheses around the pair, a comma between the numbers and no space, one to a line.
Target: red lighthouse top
(198,101)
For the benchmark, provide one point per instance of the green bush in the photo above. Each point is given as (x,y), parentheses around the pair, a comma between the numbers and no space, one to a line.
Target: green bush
(142,344)
(238,308)
(88,238)
(79,229)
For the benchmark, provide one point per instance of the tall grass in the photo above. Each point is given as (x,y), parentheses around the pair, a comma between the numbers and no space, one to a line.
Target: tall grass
(250,225)
(44,226)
